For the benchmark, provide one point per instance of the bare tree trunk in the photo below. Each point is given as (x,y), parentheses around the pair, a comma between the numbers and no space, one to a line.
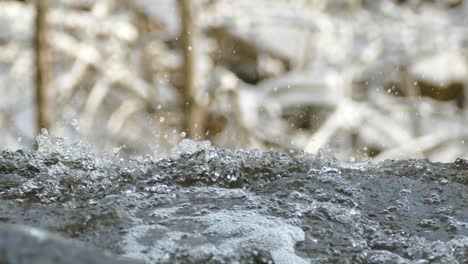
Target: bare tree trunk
(43,68)
(194,112)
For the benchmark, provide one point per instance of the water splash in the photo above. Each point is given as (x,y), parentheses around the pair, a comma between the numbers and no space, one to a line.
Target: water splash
(188,147)
(49,145)
(215,205)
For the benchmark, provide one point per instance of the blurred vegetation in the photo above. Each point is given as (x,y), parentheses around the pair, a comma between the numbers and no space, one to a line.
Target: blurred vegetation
(358,79)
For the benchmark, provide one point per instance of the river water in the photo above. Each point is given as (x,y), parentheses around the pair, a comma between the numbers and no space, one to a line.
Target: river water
(202,204)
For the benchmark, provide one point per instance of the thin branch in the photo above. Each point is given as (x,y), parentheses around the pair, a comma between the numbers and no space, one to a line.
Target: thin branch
(419,145)
(90,55)
(121,114)
(43,67)
(110,26)
(94,100)
(69,81)
(195,112)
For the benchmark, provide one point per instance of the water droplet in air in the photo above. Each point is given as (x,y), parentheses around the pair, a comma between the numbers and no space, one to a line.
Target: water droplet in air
(162,119)
(75,124)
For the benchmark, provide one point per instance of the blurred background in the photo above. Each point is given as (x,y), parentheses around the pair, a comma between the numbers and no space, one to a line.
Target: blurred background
(357,79)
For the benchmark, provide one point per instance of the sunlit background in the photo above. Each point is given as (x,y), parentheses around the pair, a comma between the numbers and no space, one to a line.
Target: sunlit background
(360,80)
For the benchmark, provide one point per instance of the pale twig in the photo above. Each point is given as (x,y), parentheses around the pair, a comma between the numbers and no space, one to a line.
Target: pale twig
(389,128)
(323,136)
(67,83)
(121,114)
(352,115)
(72,19)
(300,89)
(418,145)
(90,55)
(94,100)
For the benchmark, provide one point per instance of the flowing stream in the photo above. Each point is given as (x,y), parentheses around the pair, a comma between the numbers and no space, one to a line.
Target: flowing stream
(202,204)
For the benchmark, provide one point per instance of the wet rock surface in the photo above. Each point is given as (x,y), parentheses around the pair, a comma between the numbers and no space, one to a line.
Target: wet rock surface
(64,204)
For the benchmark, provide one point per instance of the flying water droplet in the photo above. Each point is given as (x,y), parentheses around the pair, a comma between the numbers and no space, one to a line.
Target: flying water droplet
(75,124)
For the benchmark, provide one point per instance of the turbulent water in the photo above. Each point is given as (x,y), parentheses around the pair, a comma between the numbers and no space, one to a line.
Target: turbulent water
(64,204)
